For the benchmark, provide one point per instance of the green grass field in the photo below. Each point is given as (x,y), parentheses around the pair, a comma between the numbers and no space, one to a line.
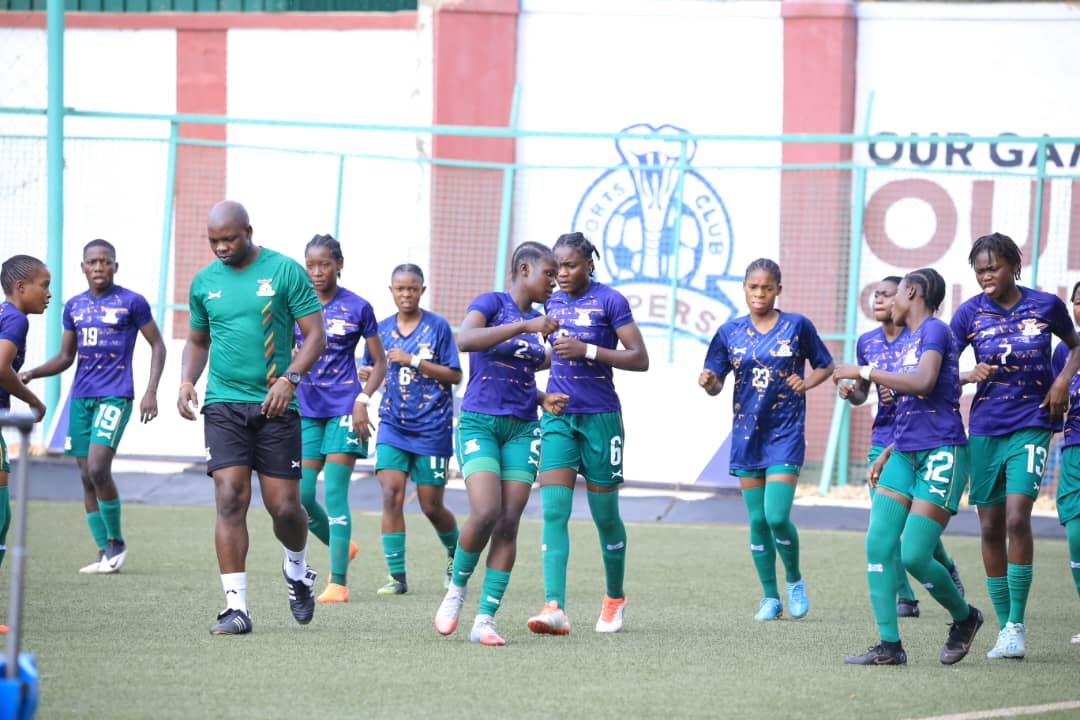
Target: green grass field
(135,645)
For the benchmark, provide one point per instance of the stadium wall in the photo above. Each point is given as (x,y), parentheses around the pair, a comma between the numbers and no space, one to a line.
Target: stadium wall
(748,68)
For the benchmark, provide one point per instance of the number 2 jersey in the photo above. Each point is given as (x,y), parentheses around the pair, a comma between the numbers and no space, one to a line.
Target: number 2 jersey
(502,379)
(106,329)
(1017,343)
(769,423)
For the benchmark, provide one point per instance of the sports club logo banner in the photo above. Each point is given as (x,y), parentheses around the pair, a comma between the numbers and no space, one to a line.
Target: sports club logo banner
(649,237)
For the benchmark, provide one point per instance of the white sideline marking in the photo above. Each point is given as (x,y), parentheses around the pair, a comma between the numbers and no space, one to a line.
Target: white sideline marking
(1009,712)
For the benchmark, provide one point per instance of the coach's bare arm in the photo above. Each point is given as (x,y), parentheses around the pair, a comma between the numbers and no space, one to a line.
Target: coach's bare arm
(192,364)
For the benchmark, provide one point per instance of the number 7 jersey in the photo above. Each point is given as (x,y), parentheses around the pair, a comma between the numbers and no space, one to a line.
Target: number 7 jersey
(1016,342)
(768,427)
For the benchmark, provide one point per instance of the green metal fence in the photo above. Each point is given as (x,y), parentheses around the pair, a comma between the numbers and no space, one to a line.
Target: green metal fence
(833,225)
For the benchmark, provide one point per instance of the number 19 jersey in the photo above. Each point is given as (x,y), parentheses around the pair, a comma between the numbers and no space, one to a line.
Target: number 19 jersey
(106,329)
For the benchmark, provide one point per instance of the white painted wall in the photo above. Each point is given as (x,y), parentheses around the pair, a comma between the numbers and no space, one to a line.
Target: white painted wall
(709,68)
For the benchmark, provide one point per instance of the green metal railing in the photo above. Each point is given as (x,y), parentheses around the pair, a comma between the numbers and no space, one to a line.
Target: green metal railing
(835,465)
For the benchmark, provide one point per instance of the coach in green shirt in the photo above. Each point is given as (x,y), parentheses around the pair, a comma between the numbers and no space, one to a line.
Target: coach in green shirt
(243,307)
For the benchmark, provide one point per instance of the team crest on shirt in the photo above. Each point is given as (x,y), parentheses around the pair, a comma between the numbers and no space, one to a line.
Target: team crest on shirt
(110,316)
(1031,327)
(784,350)
(336,326)
(584,318)
(668,252)
(265,288)
(424,353)
(911,357)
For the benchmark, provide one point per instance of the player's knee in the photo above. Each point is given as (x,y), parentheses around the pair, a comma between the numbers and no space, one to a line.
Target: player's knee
(231,506)
(1018,525)
(432,509)
(557,512)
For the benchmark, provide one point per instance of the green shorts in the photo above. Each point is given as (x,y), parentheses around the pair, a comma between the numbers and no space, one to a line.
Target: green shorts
(1007,464)
(96,420)
(592,444)
(423,469)
(937,476)
(1068,490)
(324,436)
(5,466)
(873,454)
(785,469)
(502,444)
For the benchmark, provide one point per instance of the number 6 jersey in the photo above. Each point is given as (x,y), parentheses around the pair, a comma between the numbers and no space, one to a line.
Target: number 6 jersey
(768,427)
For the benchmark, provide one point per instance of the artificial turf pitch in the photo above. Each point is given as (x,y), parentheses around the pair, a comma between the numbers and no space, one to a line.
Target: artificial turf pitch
(136,645)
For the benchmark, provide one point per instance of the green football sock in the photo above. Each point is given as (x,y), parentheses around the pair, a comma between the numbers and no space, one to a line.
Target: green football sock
(5,519)
(558,501)
(921,534)
(464,565)
(778,499)
(887,518)
(942,555)
(318,525)
(903,586)
(762,549)
(492,592)
(110,515)
(1072,533)
(609,525)
(449,540)
(336,476)
(998,590)
(393,545)
(1019,579)
(97,529)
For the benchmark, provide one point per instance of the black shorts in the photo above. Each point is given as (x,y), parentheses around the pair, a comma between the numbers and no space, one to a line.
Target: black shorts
(239,434)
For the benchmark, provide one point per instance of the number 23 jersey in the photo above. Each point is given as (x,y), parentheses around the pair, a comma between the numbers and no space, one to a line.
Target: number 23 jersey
(768,427)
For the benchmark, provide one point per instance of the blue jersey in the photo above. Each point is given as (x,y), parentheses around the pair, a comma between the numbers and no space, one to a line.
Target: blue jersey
(770,418)
(331,386)
(502,379)
(877,351)
(1072,420)
(13,327)
(1017,343)
(930,421)
(106,329)
(592,317)
(417,412)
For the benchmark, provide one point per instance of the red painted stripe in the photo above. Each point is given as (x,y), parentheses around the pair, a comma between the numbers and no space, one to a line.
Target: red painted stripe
(819,97)
(475,72)
(201,61)
(218,21)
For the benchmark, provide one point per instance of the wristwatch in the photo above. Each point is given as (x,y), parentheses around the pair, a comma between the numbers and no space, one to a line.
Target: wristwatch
(292,377)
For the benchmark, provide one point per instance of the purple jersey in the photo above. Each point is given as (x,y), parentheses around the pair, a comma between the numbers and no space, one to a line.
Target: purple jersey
(769,424)
(592,317)
(502,379)
(1072,420)
(106,329)
(877,351)
(1017,343)
(331,386)
(925,422)
(13,327)
(417,412)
